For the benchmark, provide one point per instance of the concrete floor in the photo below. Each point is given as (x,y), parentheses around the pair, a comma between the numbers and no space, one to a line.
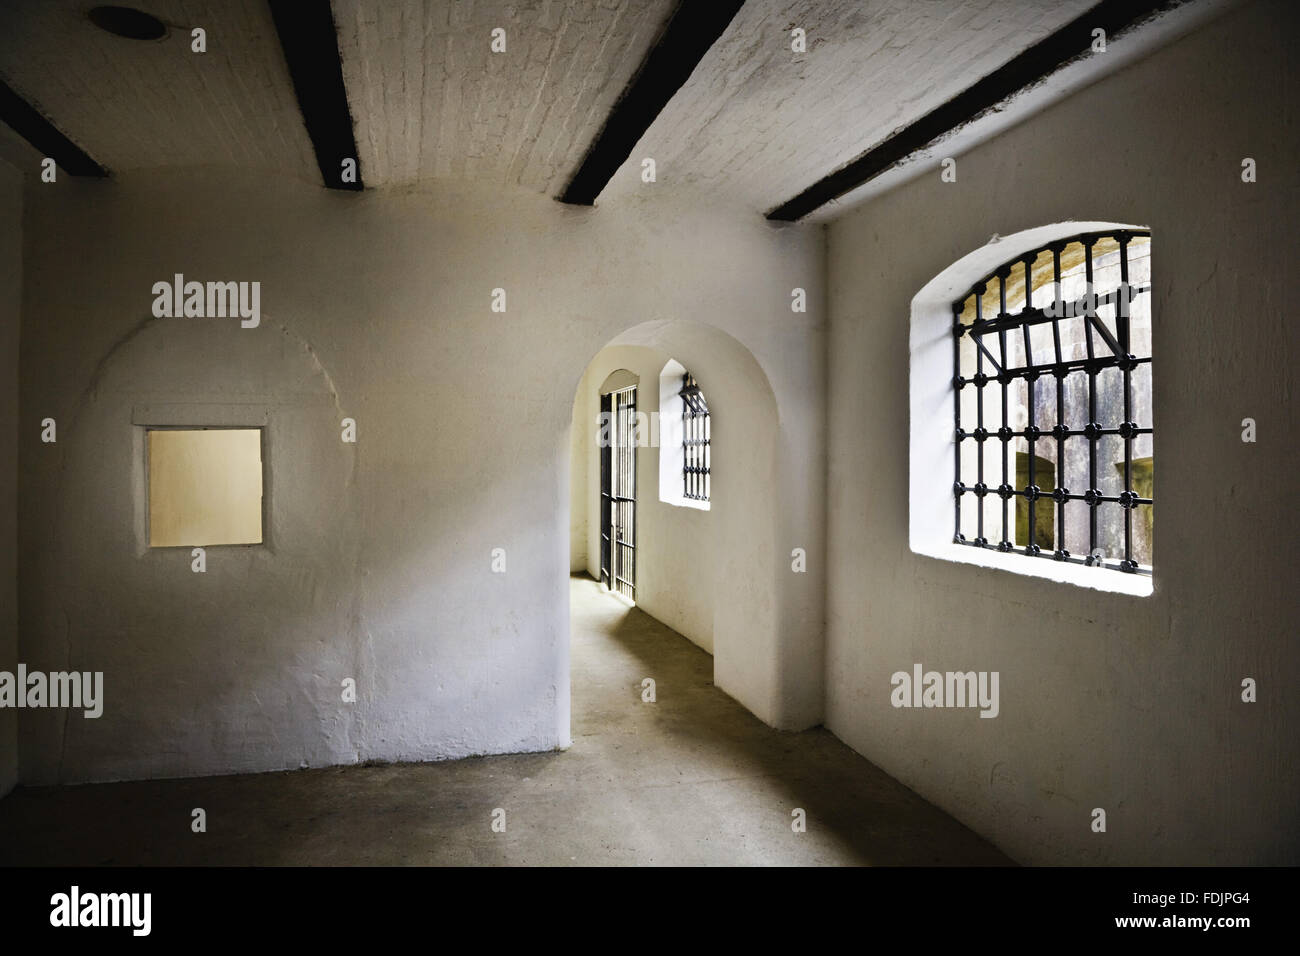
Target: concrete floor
(691,779)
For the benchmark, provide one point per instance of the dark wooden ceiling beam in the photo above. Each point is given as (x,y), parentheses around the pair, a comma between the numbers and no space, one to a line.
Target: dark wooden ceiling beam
(311,49)
(1024,70)
(27,122)
(693,28)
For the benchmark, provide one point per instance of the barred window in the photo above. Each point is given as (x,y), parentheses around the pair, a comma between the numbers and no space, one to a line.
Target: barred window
(1052,405)
(695,440)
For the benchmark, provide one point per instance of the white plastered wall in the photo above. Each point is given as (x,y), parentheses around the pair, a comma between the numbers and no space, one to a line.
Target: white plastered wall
(1127,703)
(378,561)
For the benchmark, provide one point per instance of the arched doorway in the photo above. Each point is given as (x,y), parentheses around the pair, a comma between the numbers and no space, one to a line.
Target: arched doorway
(741,578)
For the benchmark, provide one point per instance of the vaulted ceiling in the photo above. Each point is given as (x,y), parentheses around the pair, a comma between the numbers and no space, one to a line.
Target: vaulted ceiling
(753,124)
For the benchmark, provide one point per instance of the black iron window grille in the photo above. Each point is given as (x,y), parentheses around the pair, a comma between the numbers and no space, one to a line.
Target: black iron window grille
(1052,405)
(695,440)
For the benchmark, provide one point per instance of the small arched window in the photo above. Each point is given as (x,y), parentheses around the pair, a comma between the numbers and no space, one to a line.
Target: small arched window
(695,440)
(1052,404)
(685,440)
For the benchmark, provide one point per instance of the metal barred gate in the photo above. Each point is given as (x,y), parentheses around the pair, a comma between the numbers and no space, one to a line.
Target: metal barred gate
(618,492)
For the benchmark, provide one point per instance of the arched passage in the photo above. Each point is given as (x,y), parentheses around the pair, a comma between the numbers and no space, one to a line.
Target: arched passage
(744,570)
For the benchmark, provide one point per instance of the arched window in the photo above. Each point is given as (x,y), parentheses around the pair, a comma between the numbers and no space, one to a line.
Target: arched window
(695,440)
(1051,399)
(685,450)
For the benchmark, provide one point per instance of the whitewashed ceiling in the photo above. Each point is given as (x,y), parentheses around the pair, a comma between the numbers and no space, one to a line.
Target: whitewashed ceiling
(143,104)
(757,123)
(754,125)
(430,98)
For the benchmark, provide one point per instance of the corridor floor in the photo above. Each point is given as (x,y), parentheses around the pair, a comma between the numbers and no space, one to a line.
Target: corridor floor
(690,779)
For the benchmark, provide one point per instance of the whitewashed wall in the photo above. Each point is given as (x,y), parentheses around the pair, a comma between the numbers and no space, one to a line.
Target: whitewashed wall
(1127,703)
(378,564)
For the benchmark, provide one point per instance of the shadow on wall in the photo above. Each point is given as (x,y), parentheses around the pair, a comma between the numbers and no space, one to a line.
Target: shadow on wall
(747,821)
(240,668)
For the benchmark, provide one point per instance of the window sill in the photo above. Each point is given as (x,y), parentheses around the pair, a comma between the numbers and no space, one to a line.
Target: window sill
(1100,579)
(686,503)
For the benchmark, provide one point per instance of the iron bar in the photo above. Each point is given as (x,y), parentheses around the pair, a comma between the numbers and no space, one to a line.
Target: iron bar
(1100,400)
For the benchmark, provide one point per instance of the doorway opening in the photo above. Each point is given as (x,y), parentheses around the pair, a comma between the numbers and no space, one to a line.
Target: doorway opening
(716,573)
(618,491)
